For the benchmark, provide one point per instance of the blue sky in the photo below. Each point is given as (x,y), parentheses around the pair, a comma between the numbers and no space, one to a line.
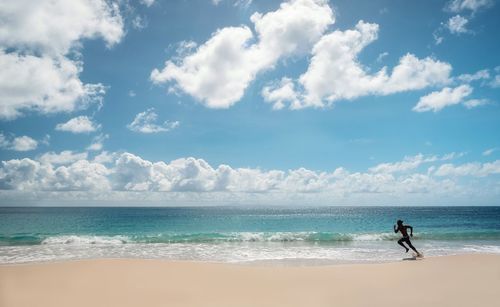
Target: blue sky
(291,96)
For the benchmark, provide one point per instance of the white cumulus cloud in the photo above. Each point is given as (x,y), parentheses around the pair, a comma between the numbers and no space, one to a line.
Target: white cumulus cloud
(36,38)
(62,158)
(457,6)
(43,84)
(479,75)
(410,163)
(23,143)
(218,71)
(79,124)
(464,10)
(146,122)
(335,73)
(128,172)
(457,24)
(73,175)
(280,94)
(20,143)
(473,103)
(55,26)
(105,157)
(27,174)
(438,100)
(475,169)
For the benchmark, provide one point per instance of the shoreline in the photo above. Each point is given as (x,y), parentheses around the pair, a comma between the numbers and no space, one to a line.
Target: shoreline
(460,280)
(296,262)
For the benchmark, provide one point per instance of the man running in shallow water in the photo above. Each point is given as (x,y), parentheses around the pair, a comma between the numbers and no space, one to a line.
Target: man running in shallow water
(402,228)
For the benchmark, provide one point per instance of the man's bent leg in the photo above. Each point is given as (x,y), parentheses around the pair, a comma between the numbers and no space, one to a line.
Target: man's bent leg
(411,246)
(400,242)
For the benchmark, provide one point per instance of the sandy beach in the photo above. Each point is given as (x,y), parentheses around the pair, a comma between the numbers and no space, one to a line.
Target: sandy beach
(464,280)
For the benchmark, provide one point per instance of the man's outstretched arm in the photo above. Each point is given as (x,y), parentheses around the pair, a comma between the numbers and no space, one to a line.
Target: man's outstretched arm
(396,229)
(411,230)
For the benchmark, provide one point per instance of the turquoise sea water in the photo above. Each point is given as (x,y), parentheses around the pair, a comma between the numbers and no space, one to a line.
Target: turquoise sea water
(230,234)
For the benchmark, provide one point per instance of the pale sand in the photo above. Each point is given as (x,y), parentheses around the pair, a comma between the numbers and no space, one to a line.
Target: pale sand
(468,280)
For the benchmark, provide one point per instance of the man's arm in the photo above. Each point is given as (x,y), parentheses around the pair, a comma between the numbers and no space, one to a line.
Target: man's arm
(411,230)
(396,229)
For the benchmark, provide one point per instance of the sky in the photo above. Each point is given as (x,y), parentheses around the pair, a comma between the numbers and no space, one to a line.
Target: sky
(249,102)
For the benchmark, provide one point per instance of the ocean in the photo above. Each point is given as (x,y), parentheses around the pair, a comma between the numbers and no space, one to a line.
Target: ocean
(323,235)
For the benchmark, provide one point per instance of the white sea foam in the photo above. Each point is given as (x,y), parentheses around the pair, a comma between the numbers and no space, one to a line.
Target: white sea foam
(238,247)
(85,240)
(374,236)
(272,237)
(311,236)
(233,252)
(306,236)
(494,249)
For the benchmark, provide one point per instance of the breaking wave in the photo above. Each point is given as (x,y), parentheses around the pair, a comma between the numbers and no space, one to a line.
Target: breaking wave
(84,240)
(242,237)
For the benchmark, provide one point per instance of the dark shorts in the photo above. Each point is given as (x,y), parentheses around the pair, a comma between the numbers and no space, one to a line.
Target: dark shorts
(405,239)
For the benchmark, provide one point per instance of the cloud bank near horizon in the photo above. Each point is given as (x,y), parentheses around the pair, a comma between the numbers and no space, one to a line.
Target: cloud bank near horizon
(70,174)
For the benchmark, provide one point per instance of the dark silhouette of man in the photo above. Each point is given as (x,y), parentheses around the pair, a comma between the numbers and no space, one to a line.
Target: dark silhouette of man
(406,238)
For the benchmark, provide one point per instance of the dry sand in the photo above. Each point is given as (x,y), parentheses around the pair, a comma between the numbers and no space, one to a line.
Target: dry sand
(467,280)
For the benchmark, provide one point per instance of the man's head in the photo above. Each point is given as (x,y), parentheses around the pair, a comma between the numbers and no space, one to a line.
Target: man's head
(400,222)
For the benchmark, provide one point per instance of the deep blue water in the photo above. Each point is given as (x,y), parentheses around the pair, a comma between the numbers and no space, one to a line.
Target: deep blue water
(241,234)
